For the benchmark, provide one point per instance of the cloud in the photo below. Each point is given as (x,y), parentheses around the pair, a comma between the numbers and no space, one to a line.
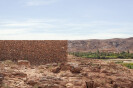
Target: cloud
(39,2)
(31,26)
(108,35)
(53,36)
(12,31)
(58,29)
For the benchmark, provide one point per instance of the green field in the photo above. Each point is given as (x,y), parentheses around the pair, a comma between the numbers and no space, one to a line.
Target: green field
(129,65)
(104,55)
(123,58)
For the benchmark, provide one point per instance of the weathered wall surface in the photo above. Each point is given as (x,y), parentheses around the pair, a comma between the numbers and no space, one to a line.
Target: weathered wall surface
(36,51)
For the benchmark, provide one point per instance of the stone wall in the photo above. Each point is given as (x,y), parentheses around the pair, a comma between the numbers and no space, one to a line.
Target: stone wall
(35,51)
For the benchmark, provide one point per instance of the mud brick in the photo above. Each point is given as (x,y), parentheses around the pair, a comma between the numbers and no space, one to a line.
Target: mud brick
(36,51)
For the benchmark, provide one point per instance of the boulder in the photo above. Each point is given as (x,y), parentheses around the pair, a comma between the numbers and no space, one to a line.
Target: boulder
(69,85)
(25,63)
(48,86)
(92,84)
(31,82)
(56,70)
(19,74)
(75,69)
(115,85)
(64,66)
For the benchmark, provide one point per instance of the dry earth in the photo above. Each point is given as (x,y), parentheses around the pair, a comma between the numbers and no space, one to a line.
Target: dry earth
(75,73)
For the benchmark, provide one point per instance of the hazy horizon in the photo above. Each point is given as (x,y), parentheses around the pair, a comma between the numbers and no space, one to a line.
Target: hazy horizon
(65,19)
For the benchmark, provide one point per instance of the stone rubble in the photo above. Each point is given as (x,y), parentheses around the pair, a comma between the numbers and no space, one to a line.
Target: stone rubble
(75,73)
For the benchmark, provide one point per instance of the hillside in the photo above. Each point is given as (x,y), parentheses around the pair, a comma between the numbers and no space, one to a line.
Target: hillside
(108,45)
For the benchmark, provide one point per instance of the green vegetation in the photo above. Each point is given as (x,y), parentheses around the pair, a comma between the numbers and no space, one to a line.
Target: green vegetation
(129,65)
(104,55)
(107,55)
(119,62)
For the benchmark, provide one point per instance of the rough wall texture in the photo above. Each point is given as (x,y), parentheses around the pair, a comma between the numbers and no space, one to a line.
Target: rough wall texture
(36,51)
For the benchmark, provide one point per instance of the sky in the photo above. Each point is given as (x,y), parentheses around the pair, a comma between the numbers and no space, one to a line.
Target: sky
(65,19)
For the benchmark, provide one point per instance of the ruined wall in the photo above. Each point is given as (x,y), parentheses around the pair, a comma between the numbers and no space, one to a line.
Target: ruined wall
(36,51)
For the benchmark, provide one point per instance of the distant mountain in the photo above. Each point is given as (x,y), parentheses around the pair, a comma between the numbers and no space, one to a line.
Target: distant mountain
(108,45)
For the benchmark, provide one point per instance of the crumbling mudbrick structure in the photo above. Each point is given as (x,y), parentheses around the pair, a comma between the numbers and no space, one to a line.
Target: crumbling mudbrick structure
(35,51)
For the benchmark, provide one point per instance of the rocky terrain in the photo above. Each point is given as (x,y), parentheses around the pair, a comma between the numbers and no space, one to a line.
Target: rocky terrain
(109,45)
(75,73)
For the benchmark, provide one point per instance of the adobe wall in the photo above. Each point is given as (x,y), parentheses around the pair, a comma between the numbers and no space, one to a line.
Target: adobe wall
(36,51)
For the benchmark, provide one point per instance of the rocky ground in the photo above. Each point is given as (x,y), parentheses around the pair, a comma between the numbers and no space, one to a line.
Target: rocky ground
(75,73)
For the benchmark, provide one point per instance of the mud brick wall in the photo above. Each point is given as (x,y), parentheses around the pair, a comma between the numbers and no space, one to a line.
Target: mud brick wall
(36,51)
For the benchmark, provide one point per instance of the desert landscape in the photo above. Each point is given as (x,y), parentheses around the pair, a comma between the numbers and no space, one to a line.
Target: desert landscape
(75,71)
(66,43)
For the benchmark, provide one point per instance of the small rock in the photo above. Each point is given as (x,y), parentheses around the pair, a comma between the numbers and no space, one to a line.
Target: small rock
(91,84)
(24,63)
(31,82)
(19,74)
(55,64)
(78,83)
(69,85)
(48,86)
(64,66)
(115,85)
(75,69)
(56,70)
(84,74)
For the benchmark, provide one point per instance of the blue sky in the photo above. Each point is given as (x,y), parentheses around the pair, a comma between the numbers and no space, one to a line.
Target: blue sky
(65,19)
